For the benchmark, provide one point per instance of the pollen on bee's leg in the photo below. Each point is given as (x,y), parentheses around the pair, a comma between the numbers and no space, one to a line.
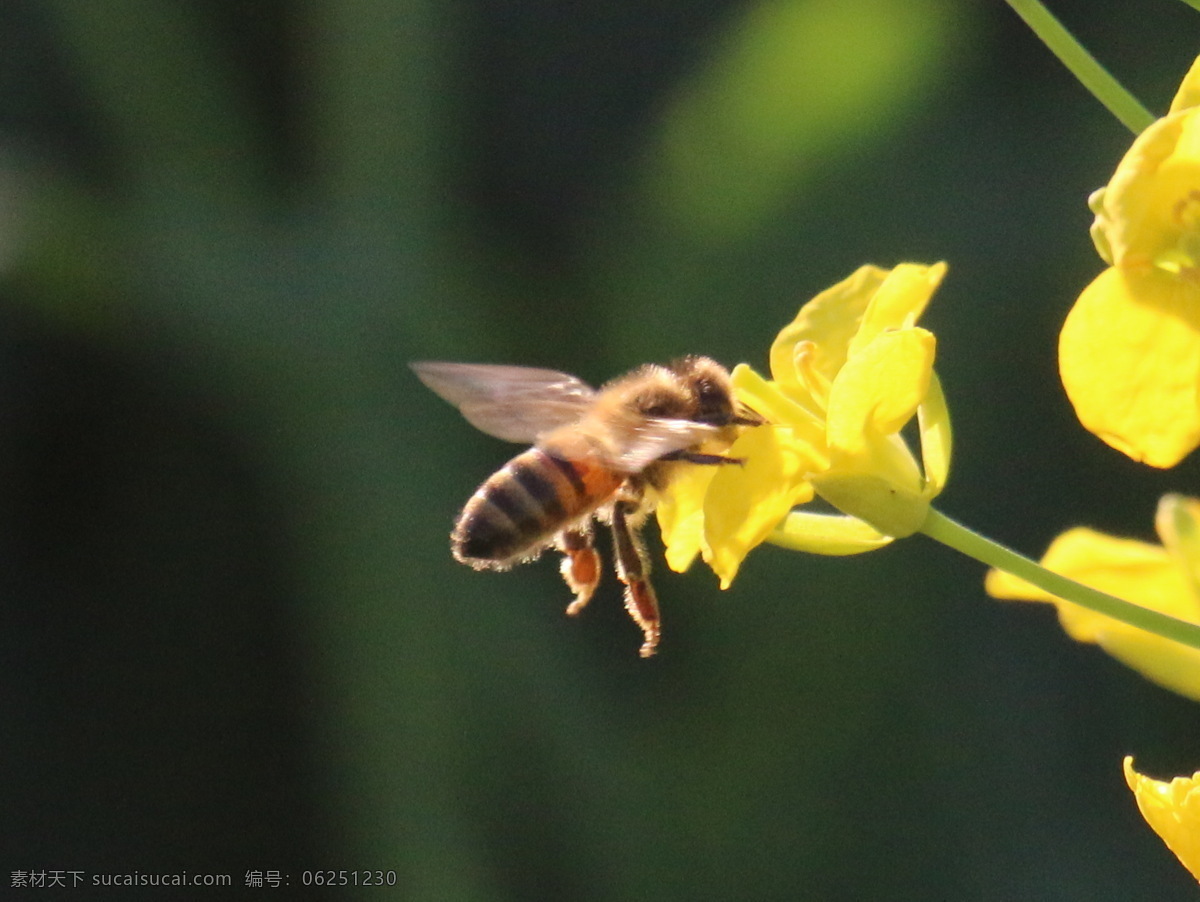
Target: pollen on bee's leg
(642,605)
(632,569)
(580,567)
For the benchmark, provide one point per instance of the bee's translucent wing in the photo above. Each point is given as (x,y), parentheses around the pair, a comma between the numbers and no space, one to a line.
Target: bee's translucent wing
(514,403)
(656,438)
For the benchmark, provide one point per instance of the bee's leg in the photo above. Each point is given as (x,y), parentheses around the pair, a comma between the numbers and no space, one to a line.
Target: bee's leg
(696,457)
(633,570)
(580,565)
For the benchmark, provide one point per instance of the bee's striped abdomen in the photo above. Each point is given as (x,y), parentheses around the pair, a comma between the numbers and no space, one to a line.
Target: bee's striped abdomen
(522,506)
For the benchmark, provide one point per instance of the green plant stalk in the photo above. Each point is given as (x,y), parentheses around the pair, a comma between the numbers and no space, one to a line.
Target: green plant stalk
(949,532)
(1083,65)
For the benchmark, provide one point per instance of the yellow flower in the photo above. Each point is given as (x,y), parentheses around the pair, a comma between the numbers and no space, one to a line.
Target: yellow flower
(1164,578)
(1173,810)
(1129,352)
(848,374)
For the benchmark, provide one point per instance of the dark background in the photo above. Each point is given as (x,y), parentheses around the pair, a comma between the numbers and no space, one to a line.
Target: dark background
(231,633)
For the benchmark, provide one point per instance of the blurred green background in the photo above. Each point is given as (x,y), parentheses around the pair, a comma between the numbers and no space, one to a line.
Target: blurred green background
(232,634)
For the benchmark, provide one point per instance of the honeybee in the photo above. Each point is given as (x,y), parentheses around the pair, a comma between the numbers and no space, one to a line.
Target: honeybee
(597,455)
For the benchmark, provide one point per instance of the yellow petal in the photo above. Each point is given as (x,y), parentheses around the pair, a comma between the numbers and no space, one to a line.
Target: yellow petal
(1188,94)
(1170,665)
(898,302)
(830,320)
(1172,810)
(680,513)
(830,534)
(1129,357)
(744,503)
(766,399)
(1139,212)
(1138,572)
(936,440)
(1100,225)
(879,389)
(1177,522)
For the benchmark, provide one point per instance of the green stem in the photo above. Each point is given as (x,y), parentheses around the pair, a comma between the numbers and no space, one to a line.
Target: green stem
(1083,65)
(949,532)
